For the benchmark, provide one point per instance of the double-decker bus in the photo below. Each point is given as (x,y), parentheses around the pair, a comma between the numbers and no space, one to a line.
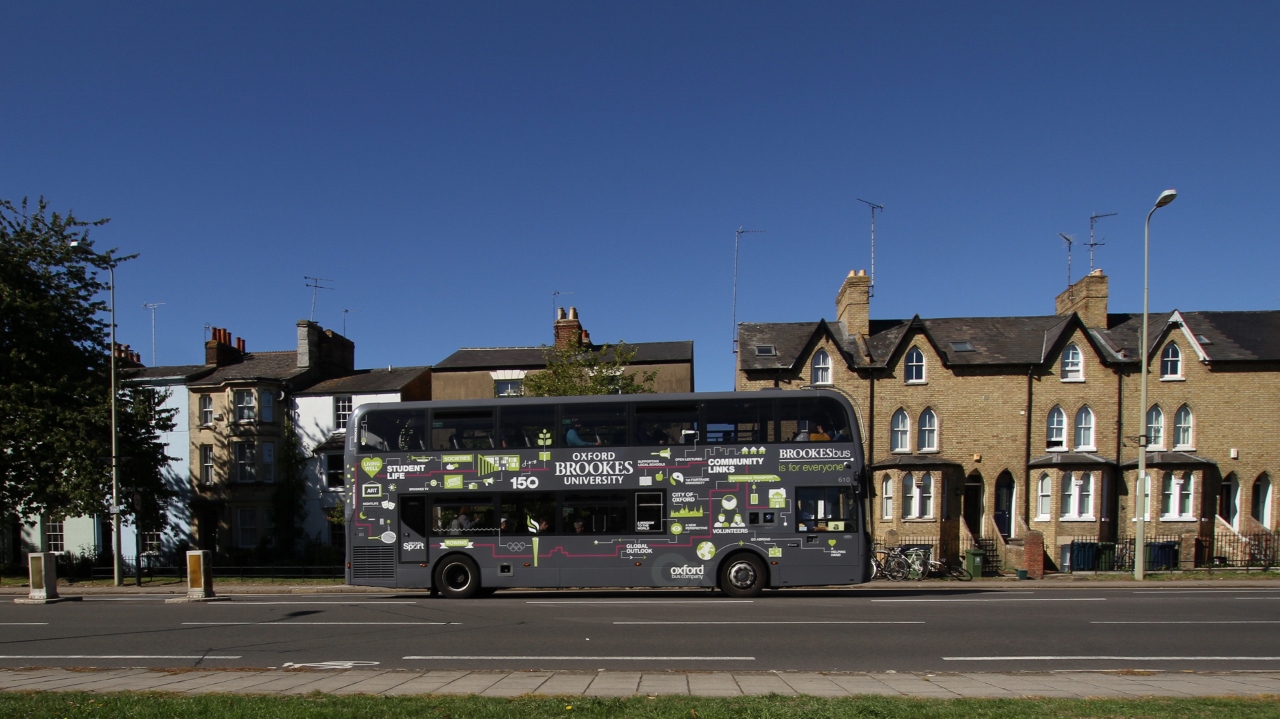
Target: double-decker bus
(740,491)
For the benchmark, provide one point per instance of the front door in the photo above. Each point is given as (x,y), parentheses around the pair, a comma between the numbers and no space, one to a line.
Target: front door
(973,505)
(1004,505)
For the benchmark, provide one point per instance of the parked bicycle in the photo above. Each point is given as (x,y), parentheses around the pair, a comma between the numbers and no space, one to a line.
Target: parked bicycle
(900,564)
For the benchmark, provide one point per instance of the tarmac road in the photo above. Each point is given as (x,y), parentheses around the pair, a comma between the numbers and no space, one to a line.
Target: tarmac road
(859,630)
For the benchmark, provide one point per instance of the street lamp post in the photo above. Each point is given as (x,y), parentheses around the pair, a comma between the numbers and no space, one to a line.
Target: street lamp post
(1143,484)
(117,562)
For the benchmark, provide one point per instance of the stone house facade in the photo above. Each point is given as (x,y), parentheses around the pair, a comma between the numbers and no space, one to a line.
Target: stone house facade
(992,428)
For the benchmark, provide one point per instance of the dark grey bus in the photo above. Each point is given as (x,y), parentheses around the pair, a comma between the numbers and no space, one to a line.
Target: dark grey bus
(740,491)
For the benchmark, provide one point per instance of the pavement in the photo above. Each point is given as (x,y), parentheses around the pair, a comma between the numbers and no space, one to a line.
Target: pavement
(306,680)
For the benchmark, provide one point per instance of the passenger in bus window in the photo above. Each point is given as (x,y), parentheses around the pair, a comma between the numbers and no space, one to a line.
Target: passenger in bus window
(462,522)
(573,437)
(819,433)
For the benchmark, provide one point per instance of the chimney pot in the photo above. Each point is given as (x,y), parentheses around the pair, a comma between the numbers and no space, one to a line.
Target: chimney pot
(573,313)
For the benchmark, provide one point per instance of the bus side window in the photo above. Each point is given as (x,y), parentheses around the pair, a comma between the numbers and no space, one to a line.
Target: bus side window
(825,509)
(594,425)
(731,421)
(529,427)
(393,430)
(462,429)
(659,424)
(650,509)
(463,516)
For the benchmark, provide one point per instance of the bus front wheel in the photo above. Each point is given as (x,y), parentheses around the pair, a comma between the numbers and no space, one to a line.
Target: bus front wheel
(743,575)
(457,578)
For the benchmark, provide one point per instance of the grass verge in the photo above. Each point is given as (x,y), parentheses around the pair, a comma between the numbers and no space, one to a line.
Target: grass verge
(150,705)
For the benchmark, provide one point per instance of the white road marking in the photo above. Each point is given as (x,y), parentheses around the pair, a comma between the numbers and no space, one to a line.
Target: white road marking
(336,664)
(236,603)
(1202,591)
(1014,599)
(1257,597)
(643,601)
(768,622)
(22,624)
(131,599)
(118,656)
(586,659)
(1228,621)
(315,623)
(1111,658)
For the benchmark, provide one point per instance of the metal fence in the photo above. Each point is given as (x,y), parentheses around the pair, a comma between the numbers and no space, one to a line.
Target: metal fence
(1090,554)
(220,572)
(1259,550)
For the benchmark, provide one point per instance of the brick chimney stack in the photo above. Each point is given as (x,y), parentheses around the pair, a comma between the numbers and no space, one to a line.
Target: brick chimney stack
(568,329)
(853,303)
(219,350)
(1087,298)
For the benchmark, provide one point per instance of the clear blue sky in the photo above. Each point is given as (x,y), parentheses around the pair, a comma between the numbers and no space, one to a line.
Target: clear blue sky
(448,166)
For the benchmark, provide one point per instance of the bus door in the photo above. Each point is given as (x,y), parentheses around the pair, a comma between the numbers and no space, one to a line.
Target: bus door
(827,520)
(413,529)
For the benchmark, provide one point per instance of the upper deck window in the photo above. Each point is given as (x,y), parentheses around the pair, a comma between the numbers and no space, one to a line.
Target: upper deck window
(594,425)
(393,430)
(462,429)
(666,424)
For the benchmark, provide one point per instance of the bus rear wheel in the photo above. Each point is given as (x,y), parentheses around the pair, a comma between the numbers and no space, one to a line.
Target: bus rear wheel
(457,578)
(743,575)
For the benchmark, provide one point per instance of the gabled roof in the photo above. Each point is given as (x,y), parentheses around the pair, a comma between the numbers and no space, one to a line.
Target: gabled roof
(367,381)
(1237,336)
(256,366)
(491,358)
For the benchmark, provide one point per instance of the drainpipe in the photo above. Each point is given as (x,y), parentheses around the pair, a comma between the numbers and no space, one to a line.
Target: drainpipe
(1026,454)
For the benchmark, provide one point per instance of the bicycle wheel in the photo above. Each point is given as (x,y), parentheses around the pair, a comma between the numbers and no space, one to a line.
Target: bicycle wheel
(959,572)
(896,569)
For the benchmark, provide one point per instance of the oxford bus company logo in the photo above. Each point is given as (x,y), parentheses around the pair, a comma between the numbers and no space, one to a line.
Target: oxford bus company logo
(686,571)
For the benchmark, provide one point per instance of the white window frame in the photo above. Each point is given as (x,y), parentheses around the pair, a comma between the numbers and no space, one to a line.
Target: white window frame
(341,411)
(1056,430)
(206,410)
(908,496)
(206,464)
(1184,427)
(245,411)
(886,497)
(927,431)
(915,365)
(821,368)
(1077,497)
(55,535)
(900,432)
(917,497)
(268,453)
(1171,359)
(508,388)
(244,457)
(1155,428)
(331,472)
(266,405)
(251,514)
(1084,430)
(1044,497)
(1072,364)
(1177,493)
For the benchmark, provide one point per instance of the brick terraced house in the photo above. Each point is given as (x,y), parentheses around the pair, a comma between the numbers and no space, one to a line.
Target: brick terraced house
(985,431)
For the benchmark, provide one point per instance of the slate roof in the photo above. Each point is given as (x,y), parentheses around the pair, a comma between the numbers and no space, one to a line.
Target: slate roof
(910,461)
(1168,459)
(185,372)
(256,366)
(481,358)
(367,381)
(1029,340)
(1076,459)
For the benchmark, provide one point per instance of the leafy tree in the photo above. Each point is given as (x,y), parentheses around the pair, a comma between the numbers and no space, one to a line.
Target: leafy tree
(145,490)
(54,388)
(288,499)
(574,370)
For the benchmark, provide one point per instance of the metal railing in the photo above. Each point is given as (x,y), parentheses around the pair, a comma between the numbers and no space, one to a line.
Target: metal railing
(1090,554)
(1259,550)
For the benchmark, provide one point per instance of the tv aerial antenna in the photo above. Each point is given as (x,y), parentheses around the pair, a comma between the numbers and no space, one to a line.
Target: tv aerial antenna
(152,306)
(555,303)
(346,312)
(871,290)
(314,284)
(1070,240)
(1093,220)
(737,238)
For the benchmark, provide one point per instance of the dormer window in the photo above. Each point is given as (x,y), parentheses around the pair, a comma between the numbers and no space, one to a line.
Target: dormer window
(766,351)
(915,366)
(1072,364)
(1171,362)
(821,367)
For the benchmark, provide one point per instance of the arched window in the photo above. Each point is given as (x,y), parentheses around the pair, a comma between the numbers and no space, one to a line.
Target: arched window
(927,440)
(915,366)
(1171,362)
(1044,497)
(900,432)
(1077,496)
(909,497)
(1262,501)
(1084,430)
(1182,438)
(1072,364)
(886,497)
(925,509)
(1056,432)
(1175,496)
(821,368)
(1155,428)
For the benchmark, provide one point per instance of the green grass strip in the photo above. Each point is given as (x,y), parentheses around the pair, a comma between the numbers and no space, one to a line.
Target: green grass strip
(67,705)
